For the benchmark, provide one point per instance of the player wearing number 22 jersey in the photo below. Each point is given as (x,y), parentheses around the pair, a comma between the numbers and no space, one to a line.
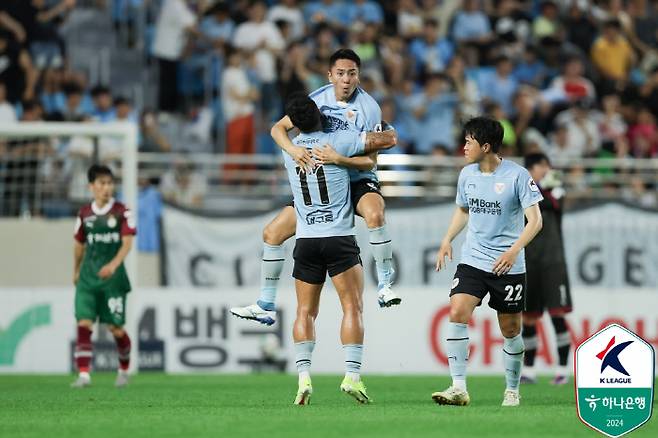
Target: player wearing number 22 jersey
(325,242)
(493,197)
(104,233)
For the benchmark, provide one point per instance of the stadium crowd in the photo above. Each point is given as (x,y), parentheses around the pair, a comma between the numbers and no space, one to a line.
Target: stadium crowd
(573,78)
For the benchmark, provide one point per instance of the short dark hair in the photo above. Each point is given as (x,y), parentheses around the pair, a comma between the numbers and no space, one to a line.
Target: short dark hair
(303,112)
(485,130)
(97,170)
(99,89)
(344,54)
(535,158)
(120,100)
(613,22)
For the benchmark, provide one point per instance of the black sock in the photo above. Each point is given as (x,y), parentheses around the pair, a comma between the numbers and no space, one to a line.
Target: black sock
(562,339)
(530,341)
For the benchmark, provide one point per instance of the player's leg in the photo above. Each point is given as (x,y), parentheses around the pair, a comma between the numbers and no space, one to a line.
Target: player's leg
(508,299)
(349,286)
(558,303)
(369,204)
(275,234)
(309,272)
(534,308)
(530,341)
(308,306)
(113,313)
(85,315)
(468,289)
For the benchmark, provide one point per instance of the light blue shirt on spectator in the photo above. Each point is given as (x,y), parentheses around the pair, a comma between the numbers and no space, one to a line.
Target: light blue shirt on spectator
(362,114)
(214,30)
(436,127)
(322,197)
(496,203)
(498,89)
(368,12)
(149,210)
(335,13)
(433,58)
(470,25)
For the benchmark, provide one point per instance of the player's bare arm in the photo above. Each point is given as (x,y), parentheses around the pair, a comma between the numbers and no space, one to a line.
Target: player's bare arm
(328,155)
(279,133)
(126,245)
(78,254)
(457,224)
(504,263)
(377,141)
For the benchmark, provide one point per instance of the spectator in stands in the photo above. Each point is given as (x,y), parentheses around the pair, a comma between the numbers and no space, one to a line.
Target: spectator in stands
(612,55)
(289,12)
(104,111)
(471,25)
(611,124)
(46,45)
(74,110)
(149,211)
(643,135)
(217,27)
(431,53)
(572,85)
(175,22)
(16,69)
(238,99)
(500,85)
(151,139)
(434,109)
(330,12)
(648,92)
(365,11)
(547,24)
(638,193)
(466,88)
(183,185)
(583,134)
(580,26)
(10,26)
(558,147)
(531,70)
(124,111)
(7,111)
(264,42)
(409,19)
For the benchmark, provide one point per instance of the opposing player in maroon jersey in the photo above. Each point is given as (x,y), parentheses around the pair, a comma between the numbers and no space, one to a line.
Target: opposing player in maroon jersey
(104,233)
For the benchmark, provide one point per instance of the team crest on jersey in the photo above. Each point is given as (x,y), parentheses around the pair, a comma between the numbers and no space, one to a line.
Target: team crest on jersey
(499,188)
(351,115)
(455,282)
(533,185)
(111,221)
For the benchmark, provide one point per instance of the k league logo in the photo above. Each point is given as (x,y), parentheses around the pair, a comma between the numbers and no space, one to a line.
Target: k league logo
(614,381)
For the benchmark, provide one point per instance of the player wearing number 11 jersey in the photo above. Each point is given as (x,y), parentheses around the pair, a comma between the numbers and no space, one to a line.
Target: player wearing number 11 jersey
(493,196)
(325,241)
(104,233)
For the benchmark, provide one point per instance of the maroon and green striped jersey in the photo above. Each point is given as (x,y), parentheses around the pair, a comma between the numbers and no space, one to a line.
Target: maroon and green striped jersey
(100,230)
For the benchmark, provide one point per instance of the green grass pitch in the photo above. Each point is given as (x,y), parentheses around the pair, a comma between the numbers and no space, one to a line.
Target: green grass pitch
(158,405)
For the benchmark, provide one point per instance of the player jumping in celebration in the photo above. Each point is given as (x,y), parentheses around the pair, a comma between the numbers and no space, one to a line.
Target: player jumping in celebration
(345,108)
(548,281)
(104,233)
(325,242)
(493,195)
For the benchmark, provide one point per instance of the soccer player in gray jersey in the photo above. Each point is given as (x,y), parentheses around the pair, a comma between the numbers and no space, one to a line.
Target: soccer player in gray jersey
(345,107)
(493,196)
(325,242)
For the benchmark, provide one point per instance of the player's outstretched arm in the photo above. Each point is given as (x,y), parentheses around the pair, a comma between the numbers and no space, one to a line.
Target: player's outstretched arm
(457,224)
(279,133)
(328,155)
(376,141)
(504,263)
(109,269)
(78,253)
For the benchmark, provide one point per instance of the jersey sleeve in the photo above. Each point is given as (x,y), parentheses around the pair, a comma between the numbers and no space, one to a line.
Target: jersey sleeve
(79,231)
(527,190)
(460,199)
(128,226)
(349,143)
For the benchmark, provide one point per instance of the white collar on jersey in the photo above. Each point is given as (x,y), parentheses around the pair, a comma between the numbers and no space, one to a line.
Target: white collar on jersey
(102,211)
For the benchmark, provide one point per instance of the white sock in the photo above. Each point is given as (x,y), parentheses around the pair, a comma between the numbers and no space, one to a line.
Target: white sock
(457,350)
(85,375)
(303,375)
(270,273)
(382,251)
(353,360)
(512,360)
(303,355)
